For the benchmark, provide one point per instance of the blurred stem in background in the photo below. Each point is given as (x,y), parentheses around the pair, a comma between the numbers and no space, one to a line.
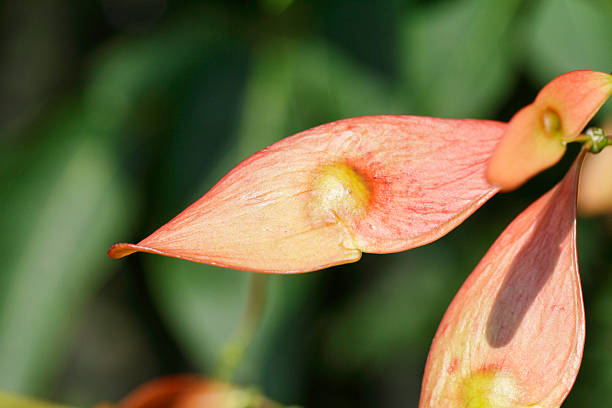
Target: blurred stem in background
(233,350)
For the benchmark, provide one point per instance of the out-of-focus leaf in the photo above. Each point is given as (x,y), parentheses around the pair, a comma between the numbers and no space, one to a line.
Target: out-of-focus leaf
(36,58)
(56,213)
(133,68)
(69,203)
(323,76)
(14,401)
(565,35)
(388,316)
(275,6)
(366,29)
(457,58)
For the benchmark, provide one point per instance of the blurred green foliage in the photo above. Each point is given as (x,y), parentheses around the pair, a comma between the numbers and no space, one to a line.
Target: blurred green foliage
(118,114)
(14,401)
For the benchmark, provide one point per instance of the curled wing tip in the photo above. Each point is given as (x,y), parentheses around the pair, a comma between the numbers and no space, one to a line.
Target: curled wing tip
(123,249)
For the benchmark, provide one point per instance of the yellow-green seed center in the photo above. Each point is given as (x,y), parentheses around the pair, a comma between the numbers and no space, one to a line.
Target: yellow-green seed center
(490,389)
(551,123)
(339,193)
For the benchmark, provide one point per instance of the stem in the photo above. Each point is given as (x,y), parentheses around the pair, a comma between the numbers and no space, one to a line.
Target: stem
(594,139)
(234,348)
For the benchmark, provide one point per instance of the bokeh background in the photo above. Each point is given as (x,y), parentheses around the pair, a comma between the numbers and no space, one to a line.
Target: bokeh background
(117,114)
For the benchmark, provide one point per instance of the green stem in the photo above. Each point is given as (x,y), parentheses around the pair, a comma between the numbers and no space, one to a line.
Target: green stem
(234,348)
(594,139)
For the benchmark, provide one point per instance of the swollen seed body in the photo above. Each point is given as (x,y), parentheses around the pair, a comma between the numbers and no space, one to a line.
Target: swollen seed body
(323,196)
(339,193)
(551,123)
(537,135)
(490,389)
(513,335)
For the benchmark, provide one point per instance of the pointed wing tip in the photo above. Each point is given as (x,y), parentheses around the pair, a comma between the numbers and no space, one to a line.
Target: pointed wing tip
(123,249)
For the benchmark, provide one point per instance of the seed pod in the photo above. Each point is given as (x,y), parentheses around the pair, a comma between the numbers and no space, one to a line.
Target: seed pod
(537,135)
(322,197)
(513,335)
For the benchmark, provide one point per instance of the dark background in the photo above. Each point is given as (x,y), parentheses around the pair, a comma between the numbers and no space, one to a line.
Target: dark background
(117,114)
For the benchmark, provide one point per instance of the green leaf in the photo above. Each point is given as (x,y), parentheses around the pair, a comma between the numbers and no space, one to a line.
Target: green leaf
(565,35)
(61,206)
(405,300)
(324,76)
(69,202)
(132,68)
(14,401)
(456,56)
